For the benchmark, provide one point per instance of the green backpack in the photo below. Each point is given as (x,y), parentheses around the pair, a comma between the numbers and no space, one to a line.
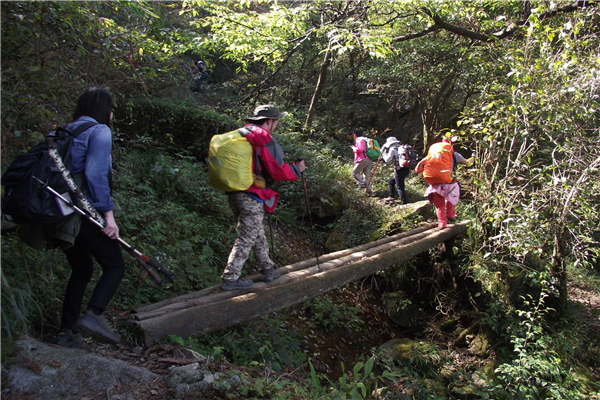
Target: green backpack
(373,148)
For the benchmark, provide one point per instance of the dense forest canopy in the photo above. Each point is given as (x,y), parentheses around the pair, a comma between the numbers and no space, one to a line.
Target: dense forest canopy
(517,81)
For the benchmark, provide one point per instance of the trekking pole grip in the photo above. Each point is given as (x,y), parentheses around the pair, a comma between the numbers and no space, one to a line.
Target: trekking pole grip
(168,274)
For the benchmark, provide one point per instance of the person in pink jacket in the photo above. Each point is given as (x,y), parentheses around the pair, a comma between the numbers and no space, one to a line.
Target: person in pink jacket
(362,164)
(249,206)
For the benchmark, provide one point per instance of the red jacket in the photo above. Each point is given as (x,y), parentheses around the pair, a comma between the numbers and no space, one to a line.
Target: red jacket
(268,164)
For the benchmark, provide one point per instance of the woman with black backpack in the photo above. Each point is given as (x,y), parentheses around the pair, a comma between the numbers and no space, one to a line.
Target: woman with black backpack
(92,169)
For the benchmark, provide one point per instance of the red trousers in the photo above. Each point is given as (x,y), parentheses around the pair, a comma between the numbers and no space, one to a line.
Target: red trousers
(443,208)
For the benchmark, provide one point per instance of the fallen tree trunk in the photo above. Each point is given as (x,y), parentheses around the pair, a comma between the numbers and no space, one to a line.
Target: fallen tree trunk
(284,279)
(283,270)
(243,307)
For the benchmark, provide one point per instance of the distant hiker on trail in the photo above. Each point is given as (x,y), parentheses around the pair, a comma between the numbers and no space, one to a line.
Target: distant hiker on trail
(362,164)
(81,239)
(393,152)
(437,169)
(200,74)
(249,206)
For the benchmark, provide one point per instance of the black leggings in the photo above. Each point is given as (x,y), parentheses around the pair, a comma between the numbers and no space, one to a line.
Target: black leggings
(398,179)
(91,242)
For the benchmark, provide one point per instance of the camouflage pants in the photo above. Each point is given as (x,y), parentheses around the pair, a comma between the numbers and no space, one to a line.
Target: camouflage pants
(250,235)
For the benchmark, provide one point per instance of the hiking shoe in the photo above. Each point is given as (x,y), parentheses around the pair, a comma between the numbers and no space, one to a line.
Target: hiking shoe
(240,284)
(453,220)
(270,274)
(97,327)
(66,338)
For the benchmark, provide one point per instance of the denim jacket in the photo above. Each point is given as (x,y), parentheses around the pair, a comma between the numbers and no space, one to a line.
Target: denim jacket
(91,156)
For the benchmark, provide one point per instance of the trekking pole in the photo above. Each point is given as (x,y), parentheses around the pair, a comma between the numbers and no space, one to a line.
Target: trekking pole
(373,173)
(312,234)
(142,259)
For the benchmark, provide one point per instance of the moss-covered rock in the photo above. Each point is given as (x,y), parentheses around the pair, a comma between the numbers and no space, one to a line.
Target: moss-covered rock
(336,242)
(332,203)
(402,310)
(480,346)
(466,391)
(400,349)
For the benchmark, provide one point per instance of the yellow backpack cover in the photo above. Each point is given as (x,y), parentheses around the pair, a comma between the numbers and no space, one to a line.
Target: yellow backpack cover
(230,162)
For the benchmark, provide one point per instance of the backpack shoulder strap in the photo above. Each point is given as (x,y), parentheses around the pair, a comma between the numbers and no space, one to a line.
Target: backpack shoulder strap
(74,132)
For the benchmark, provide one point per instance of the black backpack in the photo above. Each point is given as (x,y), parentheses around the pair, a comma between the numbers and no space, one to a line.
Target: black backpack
(25,199)
(410,156)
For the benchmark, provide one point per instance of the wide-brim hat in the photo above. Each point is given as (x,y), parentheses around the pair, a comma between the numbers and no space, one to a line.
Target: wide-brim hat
(391,140)
(266,111)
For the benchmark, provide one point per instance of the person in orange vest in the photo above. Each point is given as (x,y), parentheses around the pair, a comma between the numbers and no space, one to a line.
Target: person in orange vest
(437,169)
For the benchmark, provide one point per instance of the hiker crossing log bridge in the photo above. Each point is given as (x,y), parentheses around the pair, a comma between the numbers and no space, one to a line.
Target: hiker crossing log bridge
(212,309)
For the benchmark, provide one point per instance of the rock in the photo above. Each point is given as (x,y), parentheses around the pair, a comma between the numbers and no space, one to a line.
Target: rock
(480,346)
(400,349)
(333,202)
(466,392)
(189,380)
(336,242)
(402,311)
(52,372)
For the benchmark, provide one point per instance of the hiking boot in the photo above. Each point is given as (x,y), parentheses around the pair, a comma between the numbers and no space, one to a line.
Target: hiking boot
(66,338)
(97,327)
(270,274)
(453,220)
(240,284)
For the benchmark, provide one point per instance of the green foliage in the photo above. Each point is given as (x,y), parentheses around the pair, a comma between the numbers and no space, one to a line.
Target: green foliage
(16,305)
(537,149)
(173,124)
(52,51)
(328,316)
(359,384)
(267,343)
(30,280)
(537,370)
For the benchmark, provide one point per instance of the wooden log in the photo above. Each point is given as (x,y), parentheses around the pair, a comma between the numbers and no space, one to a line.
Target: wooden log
(214,316)
(223,295)
(286,269)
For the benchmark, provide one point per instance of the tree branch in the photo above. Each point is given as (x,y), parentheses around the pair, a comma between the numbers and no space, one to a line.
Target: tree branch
(411,36)
(508,31)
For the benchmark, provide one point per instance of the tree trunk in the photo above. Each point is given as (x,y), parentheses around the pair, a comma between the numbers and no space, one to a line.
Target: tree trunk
(559,269)
(217,310)
(318,89)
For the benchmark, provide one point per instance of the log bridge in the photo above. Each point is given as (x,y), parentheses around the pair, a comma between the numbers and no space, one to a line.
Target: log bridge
(211,309)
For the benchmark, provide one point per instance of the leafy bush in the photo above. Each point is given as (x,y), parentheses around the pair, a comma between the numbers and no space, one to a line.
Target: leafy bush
(537,370)
(267,342)
(328,316)
(174,124)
